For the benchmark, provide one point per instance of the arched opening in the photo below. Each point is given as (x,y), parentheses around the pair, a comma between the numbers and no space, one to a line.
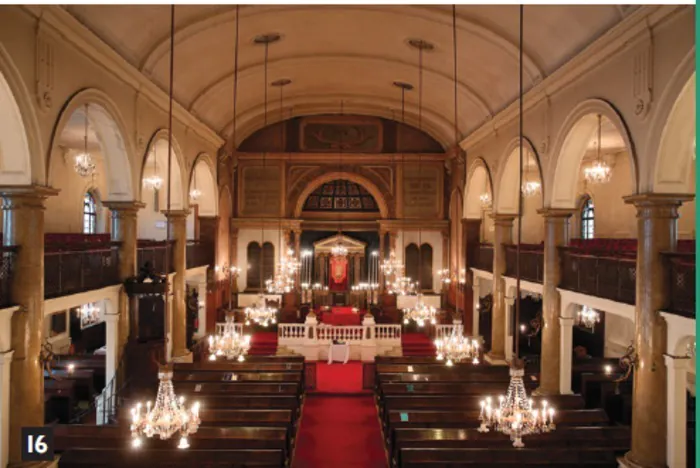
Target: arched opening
(594,134)
(89,214)
(478,199)
(88,124)
(365,187)
(674,171)
(587,218)
(507,197)
(340,198)
(152,222)
(261,265)
(202,192)
(21,158)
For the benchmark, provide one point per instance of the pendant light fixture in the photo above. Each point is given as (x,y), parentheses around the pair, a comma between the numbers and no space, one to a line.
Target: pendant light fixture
(529,188)
(154,181)
(84,165)
(195,193)
(515,415)
(339,249)
(599,172)
(420,312)
(168,415)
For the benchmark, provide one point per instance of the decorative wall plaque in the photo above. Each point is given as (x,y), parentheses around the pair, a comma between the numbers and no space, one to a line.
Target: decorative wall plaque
(422,190)
(350,134)
(260,191)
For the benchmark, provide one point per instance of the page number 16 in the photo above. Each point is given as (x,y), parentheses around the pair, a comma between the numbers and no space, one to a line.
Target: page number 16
(37,443)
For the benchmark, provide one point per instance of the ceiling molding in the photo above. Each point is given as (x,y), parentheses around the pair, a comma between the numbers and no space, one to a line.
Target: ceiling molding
(632,29)
(162,46)
(85,41)
(252,70)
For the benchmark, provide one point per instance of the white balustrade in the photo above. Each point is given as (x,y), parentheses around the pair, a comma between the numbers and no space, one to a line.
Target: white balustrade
(387,332)
(444,331)
(340,333)
(221,326)
(287,331)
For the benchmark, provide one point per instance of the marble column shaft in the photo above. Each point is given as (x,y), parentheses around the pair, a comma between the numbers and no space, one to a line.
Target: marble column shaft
(125,231)
(23,226)
(382,286)
(503,235)
(657,218)
(177,221)
(556,234)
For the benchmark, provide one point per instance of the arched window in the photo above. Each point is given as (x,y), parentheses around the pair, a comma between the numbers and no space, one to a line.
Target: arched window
(426,259)
(89,214)
(412,259)
(587,219)
(254,260)
(268,261)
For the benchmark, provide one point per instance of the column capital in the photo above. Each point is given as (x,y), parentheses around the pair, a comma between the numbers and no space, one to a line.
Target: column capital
(563,213)
(648,203)
(501,219)
(567,321)
(124,206)
(19,196)
(176,214)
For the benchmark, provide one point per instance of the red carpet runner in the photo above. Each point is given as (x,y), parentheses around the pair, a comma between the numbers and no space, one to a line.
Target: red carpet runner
(417,344)
(339,424)
(263,344)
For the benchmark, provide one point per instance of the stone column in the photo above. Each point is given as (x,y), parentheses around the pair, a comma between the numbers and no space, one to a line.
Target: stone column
(382,286)
(566,335)
(475,306)
(112,326)
(657,219)
(677,411)
(23,226)
(177,222)
(393,237)
(503,236)
(556,234)
(510,334)
(357,273)
(5,363)
(125,231)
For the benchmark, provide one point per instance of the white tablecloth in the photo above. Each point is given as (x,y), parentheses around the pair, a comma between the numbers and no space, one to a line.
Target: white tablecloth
(339,353)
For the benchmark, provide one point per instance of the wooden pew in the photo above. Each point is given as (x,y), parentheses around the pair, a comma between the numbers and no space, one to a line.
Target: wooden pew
(195,376)
(245,366)
(527,457)
(60,399)
(446,388)
(206,438)
(157,458)
(614,438)
(199,390)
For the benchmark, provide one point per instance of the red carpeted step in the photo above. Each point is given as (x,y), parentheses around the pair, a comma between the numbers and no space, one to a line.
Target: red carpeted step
(263,344)
(417,344)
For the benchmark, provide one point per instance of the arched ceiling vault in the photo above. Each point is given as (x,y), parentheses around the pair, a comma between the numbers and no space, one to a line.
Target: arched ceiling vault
(353,51)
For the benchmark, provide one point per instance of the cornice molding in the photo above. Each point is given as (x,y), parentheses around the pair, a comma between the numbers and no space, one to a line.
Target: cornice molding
(75,33)
(626,34)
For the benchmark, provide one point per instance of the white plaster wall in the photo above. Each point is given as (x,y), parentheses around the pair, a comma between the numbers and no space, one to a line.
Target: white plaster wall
(619,334)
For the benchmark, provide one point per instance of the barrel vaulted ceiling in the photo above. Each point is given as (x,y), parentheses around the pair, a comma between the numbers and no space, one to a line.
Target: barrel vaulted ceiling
(351,53)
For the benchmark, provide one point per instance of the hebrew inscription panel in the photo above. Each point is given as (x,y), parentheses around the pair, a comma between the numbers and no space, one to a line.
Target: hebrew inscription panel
(421,192)
(261,191)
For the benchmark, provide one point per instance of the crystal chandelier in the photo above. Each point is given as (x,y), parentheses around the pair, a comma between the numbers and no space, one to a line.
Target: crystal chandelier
(89,312)
(457,348)
(391,265)
(260,313)
(599,172)
(84,164)
(531,188)
(155,182)
(445,277)
(401,285)
(588,317)
(515,415)
(229,343)
(485,199)
(420,313)
(166,417)
(339,249)
(195,193)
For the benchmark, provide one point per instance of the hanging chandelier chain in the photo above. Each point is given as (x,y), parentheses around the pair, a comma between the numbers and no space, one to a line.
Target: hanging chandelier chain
(598,149)
(85,137)
(235,81)
(520,192)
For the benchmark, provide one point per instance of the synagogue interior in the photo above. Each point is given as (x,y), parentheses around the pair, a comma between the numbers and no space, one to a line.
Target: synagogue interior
(348,236)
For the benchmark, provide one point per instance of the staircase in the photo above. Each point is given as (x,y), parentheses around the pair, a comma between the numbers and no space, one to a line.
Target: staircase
(417,344)
(263,344)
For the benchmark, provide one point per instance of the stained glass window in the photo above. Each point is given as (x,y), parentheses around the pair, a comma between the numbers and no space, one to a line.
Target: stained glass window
(341,195)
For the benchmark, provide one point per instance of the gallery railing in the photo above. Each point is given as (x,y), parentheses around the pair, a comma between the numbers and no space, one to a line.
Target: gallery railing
(484,257)
(531,262)
(72,270)
(154,252)
(609,277)
(199,254)
(680,268)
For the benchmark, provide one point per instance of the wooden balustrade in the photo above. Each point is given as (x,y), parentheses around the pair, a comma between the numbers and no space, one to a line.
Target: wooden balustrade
(199,254)
(611,278)
(484,258)
(531,262)
(73,271)
(7,264)
(154,252)
(681,277)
